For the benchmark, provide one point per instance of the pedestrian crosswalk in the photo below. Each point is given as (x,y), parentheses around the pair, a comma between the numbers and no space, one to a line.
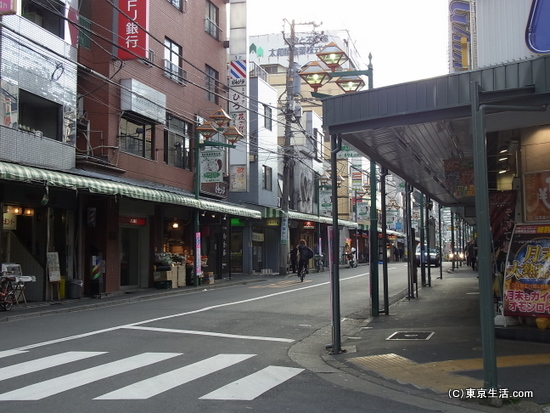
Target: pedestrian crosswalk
(247,388)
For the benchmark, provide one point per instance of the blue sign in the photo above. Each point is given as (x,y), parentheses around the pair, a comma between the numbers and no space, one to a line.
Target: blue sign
(537,33)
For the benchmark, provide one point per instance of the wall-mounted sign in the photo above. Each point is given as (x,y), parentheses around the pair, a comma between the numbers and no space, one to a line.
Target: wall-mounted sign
(133,25)
(537,35)
(272,222)
(132,221)
(8,7)
(140,98)
(9,222)
(237,178)
(537,196)
(309,225)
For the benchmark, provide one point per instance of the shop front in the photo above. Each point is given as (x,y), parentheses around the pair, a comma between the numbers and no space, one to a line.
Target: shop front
(38,221)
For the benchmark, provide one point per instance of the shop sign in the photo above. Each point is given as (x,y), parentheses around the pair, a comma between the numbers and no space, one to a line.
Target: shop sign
(527,277)
(284,230)
(133,24)
(309,225)
(132,221)
(9,222)
(8,7)
(257,237)
(142,99)
(237,178)
(238,222)
(272,222)
(348,152)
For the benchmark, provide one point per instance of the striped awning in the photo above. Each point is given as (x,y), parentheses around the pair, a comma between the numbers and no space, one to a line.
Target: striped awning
(300,216)
(19,173)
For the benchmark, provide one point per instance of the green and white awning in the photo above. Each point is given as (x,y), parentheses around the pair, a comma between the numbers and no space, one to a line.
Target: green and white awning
(300,216)
(19,173)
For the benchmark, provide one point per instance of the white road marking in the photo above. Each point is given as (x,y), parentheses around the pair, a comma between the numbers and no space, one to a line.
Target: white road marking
(254,385)
(164,382)
(209,333)
(9,353)
(60,384)
(45,363)
(197,311)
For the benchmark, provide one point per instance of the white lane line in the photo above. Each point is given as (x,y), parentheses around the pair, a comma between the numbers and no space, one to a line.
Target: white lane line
(45,363)
(209,333)
(9,353)
(60,384)
(159,384)
(252,386)
(200,310)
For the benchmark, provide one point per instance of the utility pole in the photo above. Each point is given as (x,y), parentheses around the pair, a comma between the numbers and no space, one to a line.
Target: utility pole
(289,112)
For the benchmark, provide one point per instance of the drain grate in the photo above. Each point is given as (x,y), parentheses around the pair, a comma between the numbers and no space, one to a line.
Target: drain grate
(411,335)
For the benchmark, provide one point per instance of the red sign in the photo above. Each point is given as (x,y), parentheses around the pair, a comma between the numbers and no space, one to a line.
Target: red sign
(132,221)
(133,24)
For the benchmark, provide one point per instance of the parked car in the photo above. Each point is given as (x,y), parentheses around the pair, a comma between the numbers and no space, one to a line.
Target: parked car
(433,257)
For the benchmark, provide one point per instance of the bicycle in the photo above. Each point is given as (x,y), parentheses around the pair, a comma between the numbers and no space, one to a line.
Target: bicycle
(7,292)
(302,270)
(319,264)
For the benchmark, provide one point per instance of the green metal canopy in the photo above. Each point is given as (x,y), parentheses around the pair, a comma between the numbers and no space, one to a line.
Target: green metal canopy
(20,173)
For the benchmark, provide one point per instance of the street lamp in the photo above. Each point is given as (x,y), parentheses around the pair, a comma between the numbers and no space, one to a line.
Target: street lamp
(316,76)
(207,130)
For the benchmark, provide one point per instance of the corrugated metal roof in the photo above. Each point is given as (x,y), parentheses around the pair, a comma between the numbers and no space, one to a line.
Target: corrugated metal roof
(412,128)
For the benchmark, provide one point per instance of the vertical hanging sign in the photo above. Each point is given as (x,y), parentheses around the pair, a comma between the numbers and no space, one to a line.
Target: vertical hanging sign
(133,25)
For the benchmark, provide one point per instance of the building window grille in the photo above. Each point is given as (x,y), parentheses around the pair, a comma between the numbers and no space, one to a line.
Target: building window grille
(211,20)
(211,82)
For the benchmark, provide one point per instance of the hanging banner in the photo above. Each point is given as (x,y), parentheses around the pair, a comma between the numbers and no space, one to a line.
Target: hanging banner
(527,275)
(212,166)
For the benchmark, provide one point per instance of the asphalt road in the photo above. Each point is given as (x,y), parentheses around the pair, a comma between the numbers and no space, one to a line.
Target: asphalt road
(250,347)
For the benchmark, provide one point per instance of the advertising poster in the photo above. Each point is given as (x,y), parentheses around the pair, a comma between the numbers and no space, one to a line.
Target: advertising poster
(537,196)
(459,175)
(527,275)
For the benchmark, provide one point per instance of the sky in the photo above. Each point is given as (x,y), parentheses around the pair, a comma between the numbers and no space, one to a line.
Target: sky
(407,38)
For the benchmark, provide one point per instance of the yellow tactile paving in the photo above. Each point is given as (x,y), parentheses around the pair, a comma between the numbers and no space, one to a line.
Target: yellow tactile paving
(282,284)
(438,376)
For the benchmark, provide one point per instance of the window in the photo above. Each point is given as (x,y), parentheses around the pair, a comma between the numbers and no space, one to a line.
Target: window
(211,20)
(177,143)
(268,117)
(267,178)
(40,116)
(84,32)
(178,4)
(46,14)
(211,81)
(136,136)
(172,61)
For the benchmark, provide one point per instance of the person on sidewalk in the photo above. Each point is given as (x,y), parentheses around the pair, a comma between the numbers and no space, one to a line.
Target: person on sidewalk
(293,258)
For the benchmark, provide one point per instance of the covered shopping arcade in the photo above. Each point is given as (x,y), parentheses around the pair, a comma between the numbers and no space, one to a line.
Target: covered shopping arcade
(416,129)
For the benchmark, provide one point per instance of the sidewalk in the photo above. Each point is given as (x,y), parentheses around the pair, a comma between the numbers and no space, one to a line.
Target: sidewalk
(432,343)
